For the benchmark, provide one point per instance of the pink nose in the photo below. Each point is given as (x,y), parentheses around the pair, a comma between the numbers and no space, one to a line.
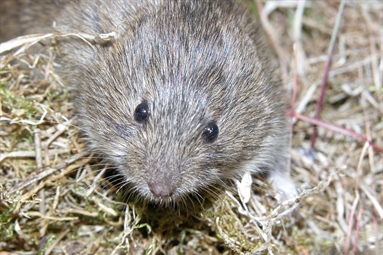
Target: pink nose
(161,188)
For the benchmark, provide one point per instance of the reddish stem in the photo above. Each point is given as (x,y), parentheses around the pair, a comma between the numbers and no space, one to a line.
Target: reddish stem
(318,122)
(319,105)
(326,72)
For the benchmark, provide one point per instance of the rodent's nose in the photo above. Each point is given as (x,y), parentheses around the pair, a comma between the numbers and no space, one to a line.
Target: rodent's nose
(161,188)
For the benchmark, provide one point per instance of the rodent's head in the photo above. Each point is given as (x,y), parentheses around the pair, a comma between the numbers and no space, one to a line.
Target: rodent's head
(179,104)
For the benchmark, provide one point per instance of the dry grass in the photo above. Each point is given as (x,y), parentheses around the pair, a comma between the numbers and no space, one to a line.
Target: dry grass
(53,199)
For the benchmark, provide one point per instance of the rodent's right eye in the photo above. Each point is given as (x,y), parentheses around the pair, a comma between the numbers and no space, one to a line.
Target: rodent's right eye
(141,113)
(210,133)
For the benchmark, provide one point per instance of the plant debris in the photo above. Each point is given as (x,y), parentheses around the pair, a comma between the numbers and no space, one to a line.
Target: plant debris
(53,199)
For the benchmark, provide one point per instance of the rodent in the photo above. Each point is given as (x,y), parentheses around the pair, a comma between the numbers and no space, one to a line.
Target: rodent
(181,100)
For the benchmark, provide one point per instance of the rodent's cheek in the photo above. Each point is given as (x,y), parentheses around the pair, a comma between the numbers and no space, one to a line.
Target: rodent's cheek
(124,132)
(113,148)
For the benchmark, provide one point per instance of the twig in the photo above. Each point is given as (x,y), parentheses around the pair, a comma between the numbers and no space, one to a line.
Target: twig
(350,224)
(344,131)
(373,200)
(326,72)
(272,37)
(357,231)
(46,173)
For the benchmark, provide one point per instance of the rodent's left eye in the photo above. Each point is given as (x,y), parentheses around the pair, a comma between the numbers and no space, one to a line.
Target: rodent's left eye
(141,113)
(210,133)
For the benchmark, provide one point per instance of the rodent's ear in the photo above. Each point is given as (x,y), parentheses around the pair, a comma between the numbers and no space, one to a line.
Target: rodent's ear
(210,132)
(142,113)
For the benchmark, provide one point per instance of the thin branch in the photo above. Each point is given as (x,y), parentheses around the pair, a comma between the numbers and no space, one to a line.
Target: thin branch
(318,122)
(326,72)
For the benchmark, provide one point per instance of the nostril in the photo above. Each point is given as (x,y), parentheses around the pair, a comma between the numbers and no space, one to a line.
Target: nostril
(161,188)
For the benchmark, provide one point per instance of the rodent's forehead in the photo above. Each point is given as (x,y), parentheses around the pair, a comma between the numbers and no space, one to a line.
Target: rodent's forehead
(175,104)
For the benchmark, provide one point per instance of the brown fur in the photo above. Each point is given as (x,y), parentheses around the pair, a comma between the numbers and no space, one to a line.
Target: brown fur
(193,62)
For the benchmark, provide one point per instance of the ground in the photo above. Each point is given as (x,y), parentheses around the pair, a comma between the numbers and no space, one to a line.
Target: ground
(53,199)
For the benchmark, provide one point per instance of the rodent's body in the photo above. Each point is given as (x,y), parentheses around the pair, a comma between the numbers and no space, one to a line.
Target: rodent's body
(182,98)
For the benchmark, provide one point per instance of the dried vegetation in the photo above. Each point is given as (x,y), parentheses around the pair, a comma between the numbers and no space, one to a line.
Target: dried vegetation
(53,199)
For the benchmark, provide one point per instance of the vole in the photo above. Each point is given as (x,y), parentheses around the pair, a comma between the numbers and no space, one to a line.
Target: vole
(181,100)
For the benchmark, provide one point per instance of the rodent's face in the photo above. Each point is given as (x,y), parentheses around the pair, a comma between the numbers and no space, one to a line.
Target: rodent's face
(179,109)
(175,137)
(170,148)
(165,140)
(170,137)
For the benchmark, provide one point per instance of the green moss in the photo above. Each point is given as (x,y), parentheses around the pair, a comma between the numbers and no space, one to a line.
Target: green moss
(6,225)
(49,242)
(18,105)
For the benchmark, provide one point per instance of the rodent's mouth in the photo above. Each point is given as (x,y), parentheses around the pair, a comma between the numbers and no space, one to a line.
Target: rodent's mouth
(187,200)
(182,197)
(165,196)
(167,191)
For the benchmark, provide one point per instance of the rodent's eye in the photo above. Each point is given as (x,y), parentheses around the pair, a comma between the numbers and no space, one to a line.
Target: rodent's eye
(211,132)
(141,113)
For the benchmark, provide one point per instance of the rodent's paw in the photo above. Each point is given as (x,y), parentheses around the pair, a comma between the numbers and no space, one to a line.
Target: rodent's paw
(283,185)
